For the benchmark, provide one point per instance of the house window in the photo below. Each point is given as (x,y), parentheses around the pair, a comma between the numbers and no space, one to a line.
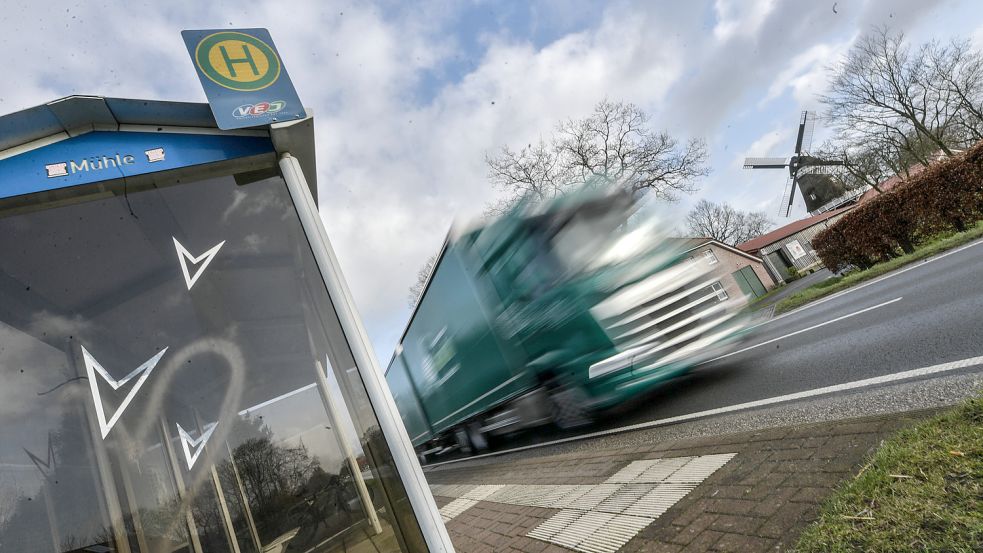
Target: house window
(719,289)
(711,259)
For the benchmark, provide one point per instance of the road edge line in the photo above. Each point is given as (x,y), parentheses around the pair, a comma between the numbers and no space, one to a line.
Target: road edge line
(856,384)
(911,266)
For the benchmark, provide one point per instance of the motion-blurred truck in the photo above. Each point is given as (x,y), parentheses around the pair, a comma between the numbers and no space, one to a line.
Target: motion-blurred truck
(549,314)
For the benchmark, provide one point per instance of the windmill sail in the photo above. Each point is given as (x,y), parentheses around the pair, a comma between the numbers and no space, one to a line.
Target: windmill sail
(811,175)
(785,207)
(809,128)
(765,162)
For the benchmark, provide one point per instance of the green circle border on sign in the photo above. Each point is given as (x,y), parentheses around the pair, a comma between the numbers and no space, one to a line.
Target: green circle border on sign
(201,60)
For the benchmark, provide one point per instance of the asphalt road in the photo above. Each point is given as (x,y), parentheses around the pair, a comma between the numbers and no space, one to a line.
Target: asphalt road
(939,318)
(862,333)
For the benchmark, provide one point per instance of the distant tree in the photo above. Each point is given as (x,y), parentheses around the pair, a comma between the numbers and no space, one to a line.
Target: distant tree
(871,162)
(416,290)
(724,223)
(613,144)
(956,70)
(896,106)
(906,103)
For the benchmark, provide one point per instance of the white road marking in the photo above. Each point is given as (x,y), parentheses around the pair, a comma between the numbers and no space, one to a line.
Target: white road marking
(892,274)
(598,518)
(815,326)
(854,385)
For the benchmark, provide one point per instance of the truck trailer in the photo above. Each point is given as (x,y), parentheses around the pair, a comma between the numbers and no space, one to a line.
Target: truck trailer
(549,314)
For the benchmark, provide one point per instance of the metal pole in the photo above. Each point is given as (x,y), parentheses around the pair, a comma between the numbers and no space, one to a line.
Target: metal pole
(245,502)
(179,484)
(109,491)
(407,465)
(230,533)
(346,448)
(134,509)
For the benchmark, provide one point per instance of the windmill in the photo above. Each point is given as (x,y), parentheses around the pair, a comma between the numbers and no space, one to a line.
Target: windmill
(811,175)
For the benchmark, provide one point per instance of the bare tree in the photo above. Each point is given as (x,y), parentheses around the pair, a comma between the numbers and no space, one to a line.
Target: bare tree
(754,224)
(887,94)
(724,223)
(896,106)
(422,275)
(957,69)
(871,162)
(613,144)
(535,171)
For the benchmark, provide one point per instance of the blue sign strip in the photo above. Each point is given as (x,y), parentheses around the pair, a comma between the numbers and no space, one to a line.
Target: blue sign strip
(106,155)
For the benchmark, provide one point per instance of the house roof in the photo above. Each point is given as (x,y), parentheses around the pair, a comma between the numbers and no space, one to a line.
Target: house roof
(756,244)
(689,243)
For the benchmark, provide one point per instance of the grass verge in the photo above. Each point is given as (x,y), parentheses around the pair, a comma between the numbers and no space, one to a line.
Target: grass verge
(921,491)
(836,284)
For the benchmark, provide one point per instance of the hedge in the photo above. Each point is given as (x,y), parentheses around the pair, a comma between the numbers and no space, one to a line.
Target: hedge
(947,196)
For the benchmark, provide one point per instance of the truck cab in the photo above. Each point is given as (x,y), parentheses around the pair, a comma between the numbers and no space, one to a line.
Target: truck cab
(581,303)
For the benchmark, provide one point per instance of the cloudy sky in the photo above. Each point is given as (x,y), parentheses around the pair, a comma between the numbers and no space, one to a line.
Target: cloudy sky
(409,98)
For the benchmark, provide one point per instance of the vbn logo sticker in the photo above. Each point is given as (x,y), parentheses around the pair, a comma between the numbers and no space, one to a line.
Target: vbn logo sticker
(252,110)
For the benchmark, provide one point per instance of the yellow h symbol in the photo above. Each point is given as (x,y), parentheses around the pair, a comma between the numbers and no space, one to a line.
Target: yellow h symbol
(230,63)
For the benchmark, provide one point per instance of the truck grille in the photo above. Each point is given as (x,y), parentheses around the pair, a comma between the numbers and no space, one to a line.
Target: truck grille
(661,319)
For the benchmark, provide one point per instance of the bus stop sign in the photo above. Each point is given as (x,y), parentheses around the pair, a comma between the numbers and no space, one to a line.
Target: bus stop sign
(243,77)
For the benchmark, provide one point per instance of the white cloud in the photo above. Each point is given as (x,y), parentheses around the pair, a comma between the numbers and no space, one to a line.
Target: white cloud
(777,142)
(392,182)
(807,74)
(740,17)
(400,148)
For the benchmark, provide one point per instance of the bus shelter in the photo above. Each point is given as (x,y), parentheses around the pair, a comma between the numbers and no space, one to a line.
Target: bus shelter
(181,365)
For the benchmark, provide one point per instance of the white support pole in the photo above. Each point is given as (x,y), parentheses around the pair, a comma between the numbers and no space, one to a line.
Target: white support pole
(134,508)
(223,506)
(245,501)
(189,520)
(363,492)
(109,491)
(407,465)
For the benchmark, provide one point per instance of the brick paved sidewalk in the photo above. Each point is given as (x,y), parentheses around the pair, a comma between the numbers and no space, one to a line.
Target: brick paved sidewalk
(674,496)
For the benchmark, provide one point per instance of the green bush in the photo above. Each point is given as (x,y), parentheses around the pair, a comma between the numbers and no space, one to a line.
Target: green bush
(944,197)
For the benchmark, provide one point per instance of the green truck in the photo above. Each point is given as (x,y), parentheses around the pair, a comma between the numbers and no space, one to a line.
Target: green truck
(547,315)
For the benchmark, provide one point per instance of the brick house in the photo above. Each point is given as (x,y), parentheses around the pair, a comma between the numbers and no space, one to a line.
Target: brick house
(740,274)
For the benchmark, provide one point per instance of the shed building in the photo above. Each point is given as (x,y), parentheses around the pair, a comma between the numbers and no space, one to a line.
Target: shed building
(789,247)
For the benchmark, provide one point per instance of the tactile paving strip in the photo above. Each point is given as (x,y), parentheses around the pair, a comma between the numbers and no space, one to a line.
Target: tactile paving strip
(456,507)
(615,533)
(616,510)
(599,518)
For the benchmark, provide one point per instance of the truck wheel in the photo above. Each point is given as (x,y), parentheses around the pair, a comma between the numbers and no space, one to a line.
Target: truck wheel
(479,442)
(568,408)
(463,442)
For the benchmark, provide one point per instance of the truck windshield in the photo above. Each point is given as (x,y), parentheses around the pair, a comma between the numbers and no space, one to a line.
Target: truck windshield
(592,240)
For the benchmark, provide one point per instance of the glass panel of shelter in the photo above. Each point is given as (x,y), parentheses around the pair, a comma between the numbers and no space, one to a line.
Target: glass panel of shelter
(234,418)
